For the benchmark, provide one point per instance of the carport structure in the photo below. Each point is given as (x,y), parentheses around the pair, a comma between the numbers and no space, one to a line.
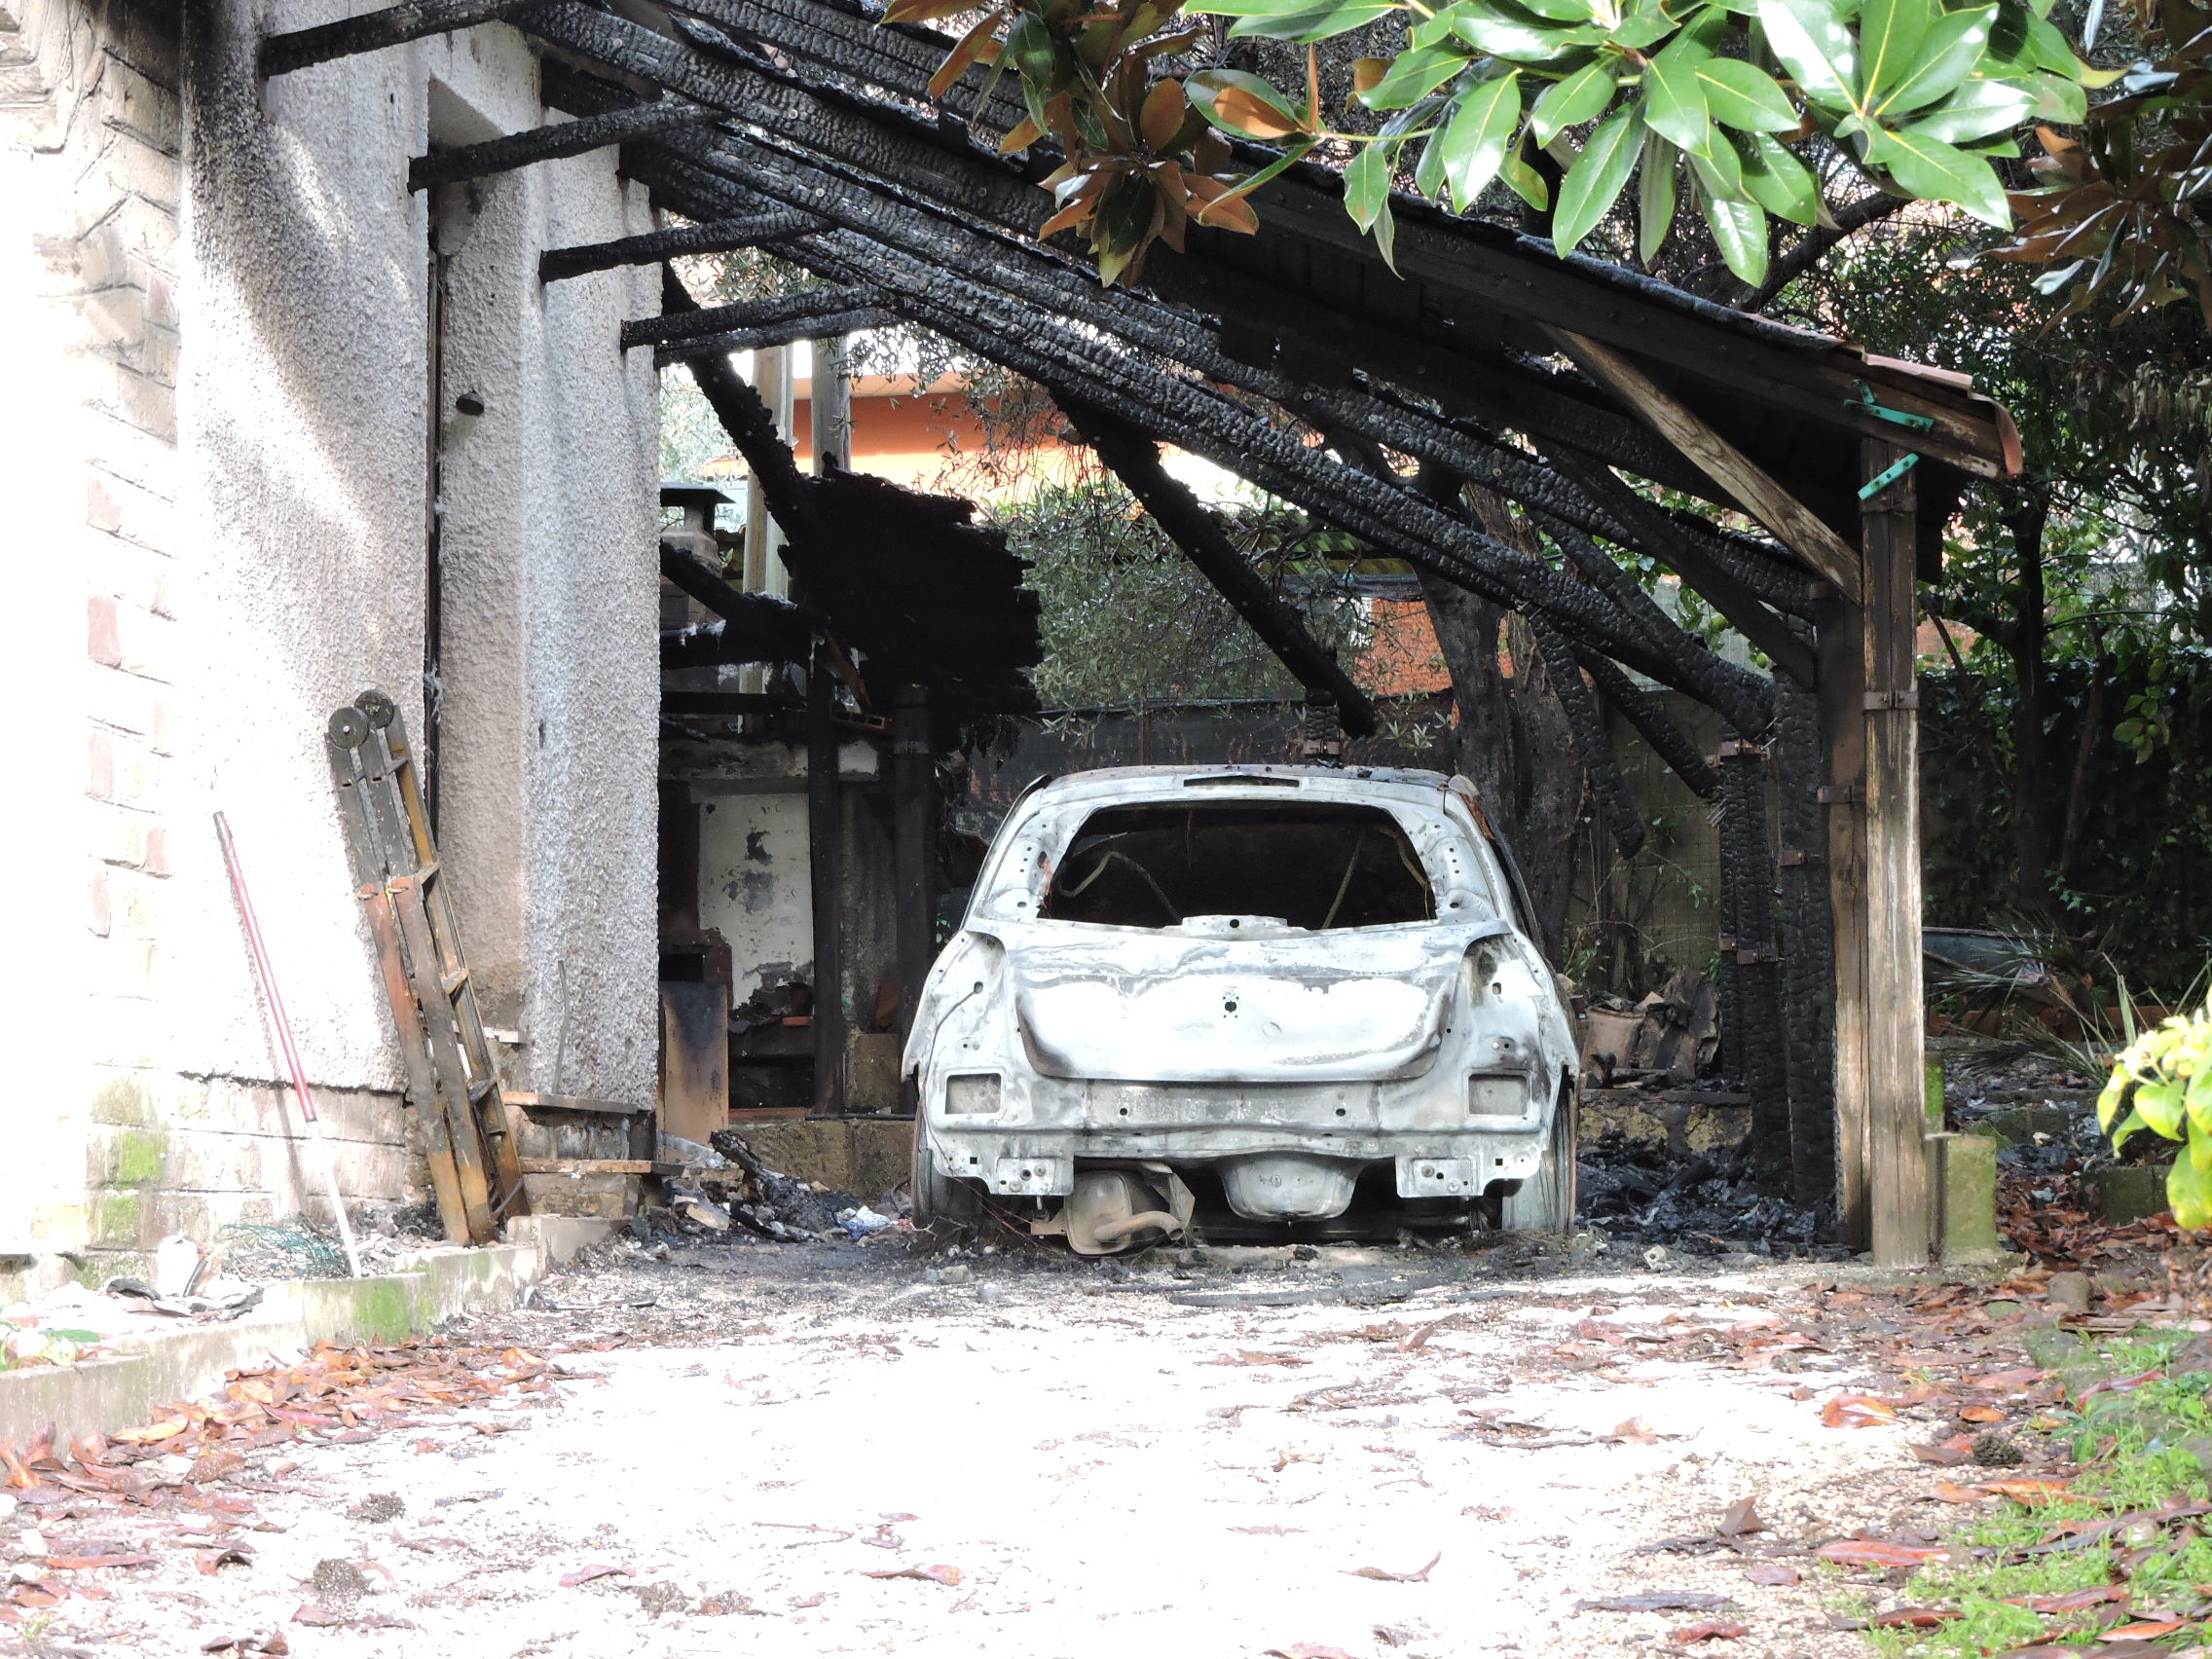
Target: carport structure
(1374,400)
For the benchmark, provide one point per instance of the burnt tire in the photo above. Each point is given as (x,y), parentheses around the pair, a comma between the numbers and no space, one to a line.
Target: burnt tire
(1545,1201)
(939,1199)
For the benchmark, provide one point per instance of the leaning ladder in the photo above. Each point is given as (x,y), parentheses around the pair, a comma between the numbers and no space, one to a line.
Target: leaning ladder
(452,1082)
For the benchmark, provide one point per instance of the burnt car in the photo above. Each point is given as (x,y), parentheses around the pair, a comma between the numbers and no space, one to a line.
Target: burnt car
(1273,1002)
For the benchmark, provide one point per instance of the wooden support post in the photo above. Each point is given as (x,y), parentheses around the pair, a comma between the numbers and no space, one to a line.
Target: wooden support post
(826,838)
(721,236)
(830,406)
(1900,1208)
(371,31)
(913,829)
(1843,739)
(550,143)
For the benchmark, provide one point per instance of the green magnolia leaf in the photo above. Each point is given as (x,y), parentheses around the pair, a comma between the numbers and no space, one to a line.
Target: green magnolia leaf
(1596,178)
(1937,171)
(1580,97)
(1657,181)
(2126,1130)
(1721,168)
(1563,11)
(1975,110)
(1779,181)
(1437,25)
(1367,184)
(1644,23)
(1428,171)
(1811,40)
(1953,45)
(1504,30)
(1745,97)
(1673,98)
(1414,75)
(2159,1105)
(2058,100)
(1739,229)
(1474,141)
(2200,1151)
(1524,180)
(1300,21)
(2189,1194)
(1891,36)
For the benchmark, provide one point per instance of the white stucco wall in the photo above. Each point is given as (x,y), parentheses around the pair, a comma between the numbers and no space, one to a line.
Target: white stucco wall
(287,473)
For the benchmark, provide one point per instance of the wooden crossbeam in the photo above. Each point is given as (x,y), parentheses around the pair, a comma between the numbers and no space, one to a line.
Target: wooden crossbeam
(1799,528)
(808,309)
(822,327)
(722,236)
(551,142)
(1658,535)
(302,49)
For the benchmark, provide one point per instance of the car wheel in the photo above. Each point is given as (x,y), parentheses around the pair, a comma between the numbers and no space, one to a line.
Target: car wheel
(939,1199)
(1545,1202)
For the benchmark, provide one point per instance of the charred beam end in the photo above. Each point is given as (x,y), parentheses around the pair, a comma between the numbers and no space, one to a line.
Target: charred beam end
(550,143)
(722,236)
(780,334)
(302,49)
(775,629)
(1134,458)
(808,309)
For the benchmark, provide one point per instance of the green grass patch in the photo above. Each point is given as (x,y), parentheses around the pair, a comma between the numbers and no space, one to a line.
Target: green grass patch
(2138,1449)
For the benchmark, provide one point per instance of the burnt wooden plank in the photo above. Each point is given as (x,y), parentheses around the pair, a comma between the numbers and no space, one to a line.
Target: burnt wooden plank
(720,235)
(371,31)
(812,326)
(550,143)
(801,307)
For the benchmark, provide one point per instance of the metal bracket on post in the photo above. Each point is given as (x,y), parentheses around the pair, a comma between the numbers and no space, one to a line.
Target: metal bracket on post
(1863,403)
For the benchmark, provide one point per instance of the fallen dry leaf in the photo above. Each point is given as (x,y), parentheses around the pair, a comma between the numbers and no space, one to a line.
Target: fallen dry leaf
(1879,1551)
(2070,1601)
(1253,1356)
(1899,1618)
(1715,1632)
(1858,1411)
(2144,1630)
(89,1563)
(2018,1378)
(1773,1573)
(1657,1601)
(935,1575)
(1635,1430)
(585,1574)
(1420,1577)
(212,1561)
(1308,1650)
(1980,1414)
(1740,1517)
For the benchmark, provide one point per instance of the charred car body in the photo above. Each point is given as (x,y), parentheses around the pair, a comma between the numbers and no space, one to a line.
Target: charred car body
(1267,1000)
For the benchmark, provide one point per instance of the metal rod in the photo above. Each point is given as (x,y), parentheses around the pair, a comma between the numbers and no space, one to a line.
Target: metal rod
(290,1048)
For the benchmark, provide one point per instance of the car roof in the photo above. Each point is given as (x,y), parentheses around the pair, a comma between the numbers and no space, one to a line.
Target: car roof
(1167,783)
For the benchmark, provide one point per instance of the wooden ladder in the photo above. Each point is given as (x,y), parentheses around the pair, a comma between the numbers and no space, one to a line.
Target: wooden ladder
(452,1080)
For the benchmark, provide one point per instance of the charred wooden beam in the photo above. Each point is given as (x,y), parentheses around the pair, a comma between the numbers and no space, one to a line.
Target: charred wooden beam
(952,248)
(1651,724)
(1661,538)
(801,308)
(1493,270)
(768,628)
(1592,748)
(721,236)
(933,288)
(1134,458)
(371,31)
(814,326)
(550,143)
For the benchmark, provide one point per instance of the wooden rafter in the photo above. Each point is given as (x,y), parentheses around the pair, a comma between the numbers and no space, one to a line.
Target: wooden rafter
(371,31)
(1799,528)
(721,236)
(549,143)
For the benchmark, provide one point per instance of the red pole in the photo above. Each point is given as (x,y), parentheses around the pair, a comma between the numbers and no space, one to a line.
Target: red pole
(290,1048)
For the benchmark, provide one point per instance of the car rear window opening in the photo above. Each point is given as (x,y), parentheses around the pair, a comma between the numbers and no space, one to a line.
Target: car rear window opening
(1314,867)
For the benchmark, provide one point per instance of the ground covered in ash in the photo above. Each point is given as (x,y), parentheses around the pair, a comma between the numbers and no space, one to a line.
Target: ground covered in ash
(775,1448)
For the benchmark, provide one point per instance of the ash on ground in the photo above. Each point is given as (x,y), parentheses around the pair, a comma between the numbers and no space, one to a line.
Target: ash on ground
(1707,1204)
